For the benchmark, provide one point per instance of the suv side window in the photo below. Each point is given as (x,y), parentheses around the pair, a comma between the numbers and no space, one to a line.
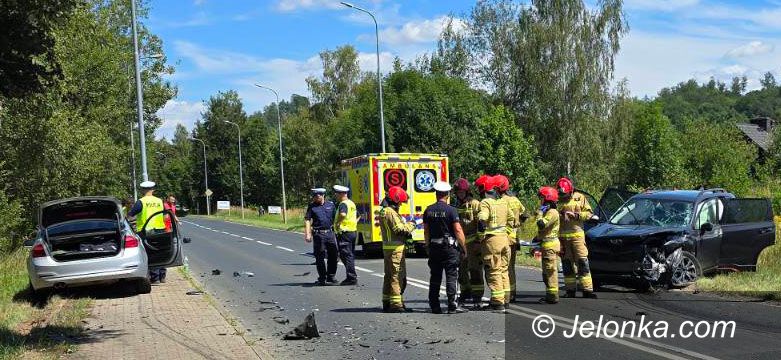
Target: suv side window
(710,212)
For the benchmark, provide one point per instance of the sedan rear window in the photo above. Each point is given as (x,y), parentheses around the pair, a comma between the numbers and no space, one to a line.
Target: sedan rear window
(654,212)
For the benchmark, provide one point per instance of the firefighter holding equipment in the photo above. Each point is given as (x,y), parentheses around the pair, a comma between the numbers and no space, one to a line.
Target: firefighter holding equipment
(470,271)
(446,247)
(395,232)
(574,210)
(495,216)
(548,237)
(503,186)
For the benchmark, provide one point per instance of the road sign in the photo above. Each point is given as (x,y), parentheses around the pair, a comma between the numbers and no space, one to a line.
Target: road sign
(208,192)
(274,209)
(223,205)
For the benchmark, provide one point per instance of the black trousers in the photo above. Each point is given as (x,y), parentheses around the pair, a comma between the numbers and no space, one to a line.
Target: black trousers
(324,246)
(442,258)
(346,241)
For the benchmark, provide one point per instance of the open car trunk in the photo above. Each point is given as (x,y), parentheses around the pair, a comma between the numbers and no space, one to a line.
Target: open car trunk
(81,228)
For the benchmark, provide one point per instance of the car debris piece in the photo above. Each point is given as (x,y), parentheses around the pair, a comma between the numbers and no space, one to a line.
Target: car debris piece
(304,274)
(434,342)
(236,274)
(216,272)
(281,319)
(495,341)
(448,341)
(194,292)
(249,274)
(267,302)
(304,331)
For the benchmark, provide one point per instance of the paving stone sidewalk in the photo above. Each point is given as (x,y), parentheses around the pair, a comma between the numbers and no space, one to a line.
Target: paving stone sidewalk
(166,324)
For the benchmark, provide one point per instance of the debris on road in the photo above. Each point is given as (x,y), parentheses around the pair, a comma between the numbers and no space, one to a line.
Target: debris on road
(216,272)
(448,341)
(267,302)
(249,274)
(434,342)
(305,331)
(495,341)
(194,292)
(281,319)
(304,274)
(236,274)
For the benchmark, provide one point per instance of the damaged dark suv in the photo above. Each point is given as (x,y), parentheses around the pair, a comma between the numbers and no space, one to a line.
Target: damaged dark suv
(672,237)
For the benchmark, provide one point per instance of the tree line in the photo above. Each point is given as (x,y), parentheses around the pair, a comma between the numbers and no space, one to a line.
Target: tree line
(527,91)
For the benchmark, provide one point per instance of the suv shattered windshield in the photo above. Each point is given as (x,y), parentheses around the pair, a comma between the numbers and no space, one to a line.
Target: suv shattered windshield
(654,212)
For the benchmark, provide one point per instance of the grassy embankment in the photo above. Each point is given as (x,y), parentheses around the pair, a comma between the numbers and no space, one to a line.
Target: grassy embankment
(765,283)
(295,218)
(43,329)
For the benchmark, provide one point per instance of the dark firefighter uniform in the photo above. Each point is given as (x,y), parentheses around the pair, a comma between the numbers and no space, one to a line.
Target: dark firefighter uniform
(471,268)
(395,232)
(321,213)
(573,239)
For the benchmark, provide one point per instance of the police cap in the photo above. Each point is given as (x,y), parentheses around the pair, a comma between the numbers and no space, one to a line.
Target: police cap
(147,185)
(441,186)
(341,189)
(318,191)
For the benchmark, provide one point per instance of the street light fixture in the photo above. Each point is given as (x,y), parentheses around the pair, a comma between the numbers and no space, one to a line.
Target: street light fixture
(379,76)
(241,172)
(205,177)
(281,159)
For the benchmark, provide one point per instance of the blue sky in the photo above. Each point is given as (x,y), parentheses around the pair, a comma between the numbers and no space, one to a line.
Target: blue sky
(217,45)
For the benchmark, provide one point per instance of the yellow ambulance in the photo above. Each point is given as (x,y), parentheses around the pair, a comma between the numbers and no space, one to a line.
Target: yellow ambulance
(369,178)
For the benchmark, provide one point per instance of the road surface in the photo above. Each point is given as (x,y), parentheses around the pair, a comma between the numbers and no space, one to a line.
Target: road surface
(352,325)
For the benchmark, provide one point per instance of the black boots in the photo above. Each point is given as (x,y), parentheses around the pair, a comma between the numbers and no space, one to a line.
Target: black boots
(588,294)
(453,307)
(550,299)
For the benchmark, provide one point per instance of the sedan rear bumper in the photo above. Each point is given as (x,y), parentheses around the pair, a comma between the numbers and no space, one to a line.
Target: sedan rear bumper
(45,272)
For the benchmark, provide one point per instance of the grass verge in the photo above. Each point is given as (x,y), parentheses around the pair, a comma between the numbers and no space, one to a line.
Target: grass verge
(295,219)
(30,327)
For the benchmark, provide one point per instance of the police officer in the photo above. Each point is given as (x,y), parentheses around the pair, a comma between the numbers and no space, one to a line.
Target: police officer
(345,227)
(446,247)
(150,221)
(318,221)
(395,232)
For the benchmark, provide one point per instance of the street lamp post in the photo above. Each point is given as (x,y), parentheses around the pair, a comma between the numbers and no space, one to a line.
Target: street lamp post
(133,156)
(281,159)
(139,94)
(241,172)
(205,177)
(379,76)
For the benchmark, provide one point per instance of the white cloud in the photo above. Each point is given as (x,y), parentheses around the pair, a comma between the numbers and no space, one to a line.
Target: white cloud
(753,48)
(660,5)
(422,31)
(178,112)
(295,5)
(199,19)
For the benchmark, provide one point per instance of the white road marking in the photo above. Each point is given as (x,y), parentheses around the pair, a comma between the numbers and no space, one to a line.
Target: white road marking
(262,243)
(363,269)
(378,275)
(284,248)
(226,233)
(234,235)
(246,238)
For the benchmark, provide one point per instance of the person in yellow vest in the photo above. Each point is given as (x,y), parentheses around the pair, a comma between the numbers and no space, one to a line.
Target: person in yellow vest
(149,220)
(574,209)
(548,237)
(495,216)
(512,232)
(346,227)
(395,232)
(470,271)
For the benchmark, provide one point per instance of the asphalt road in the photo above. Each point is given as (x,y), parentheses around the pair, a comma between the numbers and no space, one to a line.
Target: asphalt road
(352,325)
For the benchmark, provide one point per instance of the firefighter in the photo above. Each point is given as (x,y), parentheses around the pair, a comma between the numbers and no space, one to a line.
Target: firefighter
(395,232)
(548,237)
(318,221)
(512,232)
(446,248)
(574,209)
(149,221)
(470,275)
(346,227)
(495,216)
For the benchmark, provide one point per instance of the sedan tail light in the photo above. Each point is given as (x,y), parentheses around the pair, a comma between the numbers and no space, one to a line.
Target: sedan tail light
(130,241)
(38,251)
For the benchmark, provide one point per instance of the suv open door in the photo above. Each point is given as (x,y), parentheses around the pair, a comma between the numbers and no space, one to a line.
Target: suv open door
(163,248)
(606,206)
(747,229)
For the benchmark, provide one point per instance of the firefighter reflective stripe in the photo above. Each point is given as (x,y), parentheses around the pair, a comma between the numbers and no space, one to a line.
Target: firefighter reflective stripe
(392,247)
(149,206)
(395,299)
(551,244)
(350,222)
(567,235)
(496,230)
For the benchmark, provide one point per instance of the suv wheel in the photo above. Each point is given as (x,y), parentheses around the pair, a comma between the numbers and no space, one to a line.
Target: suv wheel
(143,286)
(687,273)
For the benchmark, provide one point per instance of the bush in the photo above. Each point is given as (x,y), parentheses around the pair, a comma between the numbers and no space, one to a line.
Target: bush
(11,224)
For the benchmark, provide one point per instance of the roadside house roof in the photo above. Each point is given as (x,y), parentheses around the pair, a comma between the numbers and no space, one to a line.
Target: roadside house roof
(757,134)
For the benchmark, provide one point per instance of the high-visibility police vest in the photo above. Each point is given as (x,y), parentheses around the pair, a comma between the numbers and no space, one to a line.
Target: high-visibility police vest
(149,206)
(350,222)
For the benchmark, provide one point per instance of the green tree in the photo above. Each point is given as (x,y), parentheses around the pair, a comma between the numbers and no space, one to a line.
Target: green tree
(689,100)
(653,154)
(335,90)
